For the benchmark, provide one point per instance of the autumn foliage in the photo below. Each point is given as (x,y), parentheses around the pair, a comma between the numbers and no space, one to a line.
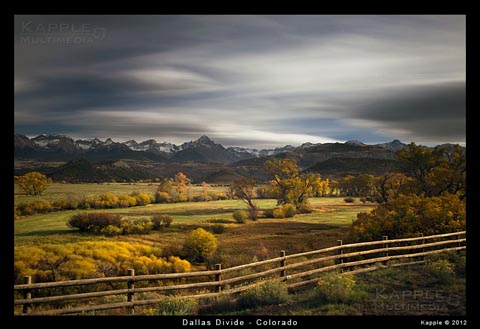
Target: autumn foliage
(33,183)
(200,245)
(429,199)
(91,259)
(289,186)
(407,215)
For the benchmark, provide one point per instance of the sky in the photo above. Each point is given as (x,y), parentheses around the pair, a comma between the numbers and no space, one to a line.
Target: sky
(251,81)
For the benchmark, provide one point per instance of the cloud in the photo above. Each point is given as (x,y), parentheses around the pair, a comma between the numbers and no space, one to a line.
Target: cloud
(255,79)
(425,113)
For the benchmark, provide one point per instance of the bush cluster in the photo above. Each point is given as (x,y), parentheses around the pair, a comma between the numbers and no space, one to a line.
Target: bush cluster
(93,222)
(90,259)
(407,215)
(269,293)
(334,288)
(200,245)
(442,270)
(160,221)
(110,224)
(240,216)
(174,305)
(286,211)
(101,201)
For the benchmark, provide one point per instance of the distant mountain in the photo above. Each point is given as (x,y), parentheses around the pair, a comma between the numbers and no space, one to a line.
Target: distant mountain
(315,153)
(394,145)
(87,144)
(248,153)
(355,142)
(61,148)
(203,150)
(44,147)
(151,145)
(55,143)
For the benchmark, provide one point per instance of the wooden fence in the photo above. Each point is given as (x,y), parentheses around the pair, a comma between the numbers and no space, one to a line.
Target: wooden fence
(296,270)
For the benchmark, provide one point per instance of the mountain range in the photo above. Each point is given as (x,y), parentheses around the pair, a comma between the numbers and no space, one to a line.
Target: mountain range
(93,160)
(63,148)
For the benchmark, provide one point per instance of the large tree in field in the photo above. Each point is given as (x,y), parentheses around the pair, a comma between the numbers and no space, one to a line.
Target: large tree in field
(289,185)
(33,183)
(243,189)
(181,181)
(428,198)
(435,171)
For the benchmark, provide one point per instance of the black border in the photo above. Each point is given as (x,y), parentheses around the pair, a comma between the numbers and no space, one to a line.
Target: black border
(473,215)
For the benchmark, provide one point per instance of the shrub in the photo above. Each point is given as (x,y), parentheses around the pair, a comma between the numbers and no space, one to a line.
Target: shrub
(278,213)
(111,230)
(268,213)
(459,261)
(220,221)
(160,221)
(442,270)
(198,198)
(85,203)
(35,207)
(66,204)
(179,265)
(24,209)
(289,210)
(177,306)
(223,303)
(200,245)
(80,221)
(142,198)
(269,293)
(163,197)
(334,288)
(304,208)
(349,199)
(105,200)
(138,226)
(93,258)
(240,216)
(219,196)
(125,201)
(93,222)
(217,229)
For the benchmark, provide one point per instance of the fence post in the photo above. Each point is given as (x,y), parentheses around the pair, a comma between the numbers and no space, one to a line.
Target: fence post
(340,252)
(218,277)
(27,294)
(385,246)
(422,242)
(458,238)
(282,264)
(130,294)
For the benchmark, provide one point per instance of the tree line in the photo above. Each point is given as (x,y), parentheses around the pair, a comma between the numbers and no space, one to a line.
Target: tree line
(428,197)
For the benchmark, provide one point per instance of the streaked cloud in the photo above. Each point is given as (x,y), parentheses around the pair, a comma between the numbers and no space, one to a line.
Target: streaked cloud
(245,80)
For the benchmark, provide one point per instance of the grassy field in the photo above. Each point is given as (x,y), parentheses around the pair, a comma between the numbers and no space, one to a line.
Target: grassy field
(62,191)
(329,221)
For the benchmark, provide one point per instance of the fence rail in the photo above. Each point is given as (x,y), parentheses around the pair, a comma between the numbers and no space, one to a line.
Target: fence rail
(299,272)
